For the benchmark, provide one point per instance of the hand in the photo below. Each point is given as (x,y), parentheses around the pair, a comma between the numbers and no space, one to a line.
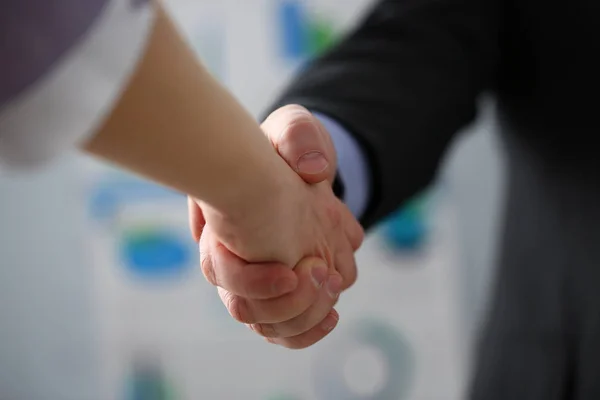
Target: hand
(303,142)
(280,303)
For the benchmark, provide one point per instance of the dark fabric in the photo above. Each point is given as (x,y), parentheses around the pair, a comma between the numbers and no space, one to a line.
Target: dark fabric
(338,187)
(541,339)
(35,34)
(405,82)
(407,79)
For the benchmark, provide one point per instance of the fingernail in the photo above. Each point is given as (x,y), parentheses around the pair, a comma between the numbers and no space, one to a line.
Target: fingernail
(319,274)
(313,162)
(334,286)
(300,113)
(330,322)
(283,285)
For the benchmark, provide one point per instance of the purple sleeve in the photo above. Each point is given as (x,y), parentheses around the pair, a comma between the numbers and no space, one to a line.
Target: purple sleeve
(62,65)
(35,34)
(352,166)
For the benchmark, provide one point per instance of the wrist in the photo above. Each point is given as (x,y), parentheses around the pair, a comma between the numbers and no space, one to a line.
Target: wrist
(261,194)
(251,227)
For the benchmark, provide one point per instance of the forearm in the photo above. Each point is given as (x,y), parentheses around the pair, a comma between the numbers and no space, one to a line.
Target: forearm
(176,125)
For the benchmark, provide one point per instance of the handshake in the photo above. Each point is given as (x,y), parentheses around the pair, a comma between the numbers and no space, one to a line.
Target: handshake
(280,262)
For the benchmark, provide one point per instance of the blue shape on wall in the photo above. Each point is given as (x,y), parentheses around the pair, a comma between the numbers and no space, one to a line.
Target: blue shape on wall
(302,35)
(114,191)
(155,253)
(293,24)
(407,229)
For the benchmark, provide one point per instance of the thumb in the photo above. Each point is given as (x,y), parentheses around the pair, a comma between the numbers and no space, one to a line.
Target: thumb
(196,219)
(302,142)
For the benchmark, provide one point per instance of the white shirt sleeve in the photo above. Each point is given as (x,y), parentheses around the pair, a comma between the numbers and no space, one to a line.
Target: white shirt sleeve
(62,71)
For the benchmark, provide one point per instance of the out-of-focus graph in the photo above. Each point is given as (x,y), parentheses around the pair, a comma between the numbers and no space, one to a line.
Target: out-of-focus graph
(303,34)
(372,360)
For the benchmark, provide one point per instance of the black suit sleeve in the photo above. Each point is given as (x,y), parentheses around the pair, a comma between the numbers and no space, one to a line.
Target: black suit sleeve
(403,83)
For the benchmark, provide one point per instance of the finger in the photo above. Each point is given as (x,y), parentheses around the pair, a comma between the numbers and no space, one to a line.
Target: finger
(253,281)
(302,141)
(312,336)
(311,317)
(196,219)
(354,231)
(345,265)
(312,273)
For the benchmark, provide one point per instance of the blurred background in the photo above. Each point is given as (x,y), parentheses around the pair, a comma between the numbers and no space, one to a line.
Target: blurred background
(101,296)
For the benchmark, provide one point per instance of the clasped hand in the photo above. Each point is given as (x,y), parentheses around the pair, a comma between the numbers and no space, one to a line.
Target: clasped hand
(280,268)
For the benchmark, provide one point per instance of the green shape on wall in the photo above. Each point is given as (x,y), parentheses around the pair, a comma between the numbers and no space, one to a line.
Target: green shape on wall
(322,36)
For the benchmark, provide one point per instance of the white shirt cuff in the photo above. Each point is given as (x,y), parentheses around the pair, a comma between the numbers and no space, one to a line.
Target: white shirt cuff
(66,105)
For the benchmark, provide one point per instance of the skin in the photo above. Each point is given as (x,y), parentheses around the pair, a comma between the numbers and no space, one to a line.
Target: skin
(252,213)
(175,124)
(304,316)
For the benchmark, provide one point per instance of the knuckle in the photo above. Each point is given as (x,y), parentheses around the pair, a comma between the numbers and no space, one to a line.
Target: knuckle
(360,236)
(350,278)
(358,233)
(238,308)
(265,330)
(293,108)
(298,326)
(326,254)
(283,117)
(349,274)
(206,264)
(306,322)
(335,301)
(299,130)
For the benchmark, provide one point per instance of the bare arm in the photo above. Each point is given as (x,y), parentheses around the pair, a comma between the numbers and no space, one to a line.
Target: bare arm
(176,125)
